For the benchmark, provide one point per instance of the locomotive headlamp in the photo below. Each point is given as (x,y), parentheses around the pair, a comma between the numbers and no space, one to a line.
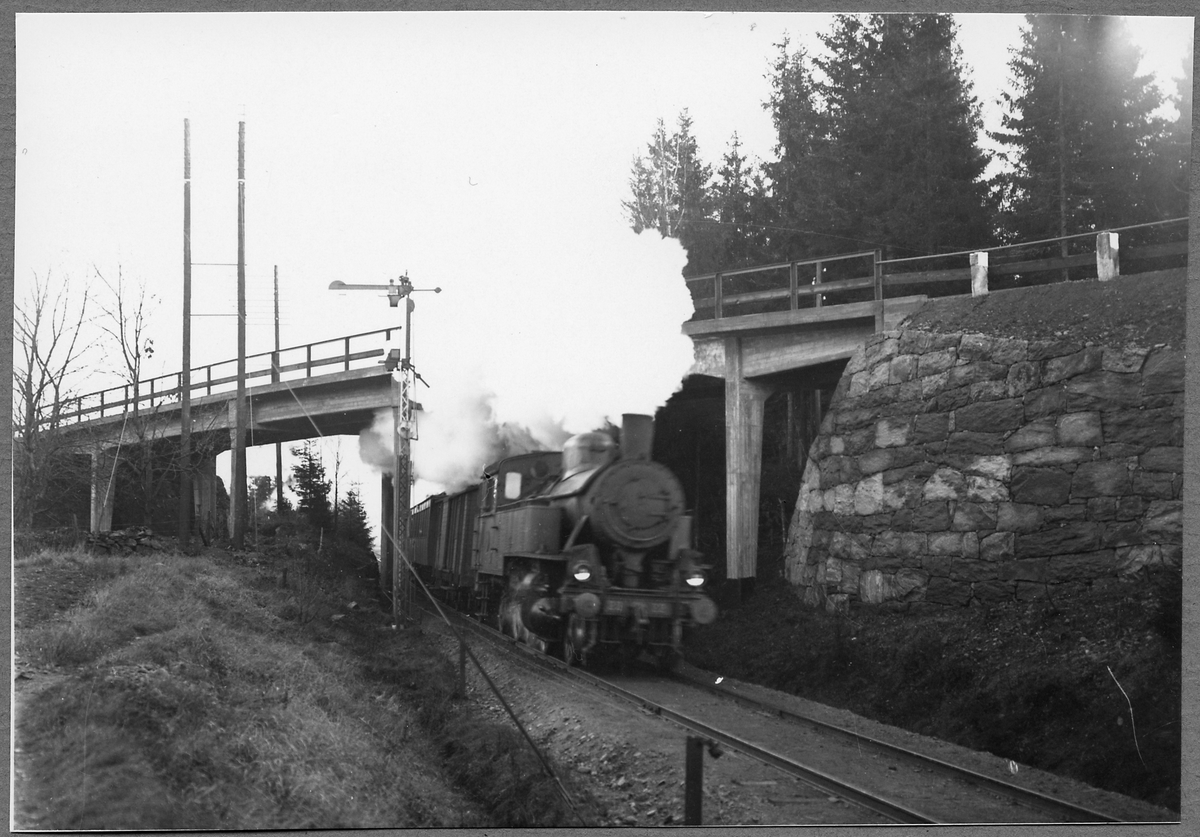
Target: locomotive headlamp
(582,571)
(695,578)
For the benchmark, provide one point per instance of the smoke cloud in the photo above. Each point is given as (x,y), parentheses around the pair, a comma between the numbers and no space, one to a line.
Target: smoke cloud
(589,331)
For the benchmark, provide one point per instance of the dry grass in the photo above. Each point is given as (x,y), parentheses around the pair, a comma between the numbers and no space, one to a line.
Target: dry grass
(196,692)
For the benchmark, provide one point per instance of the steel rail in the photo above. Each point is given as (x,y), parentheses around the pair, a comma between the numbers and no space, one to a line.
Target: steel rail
(1032,798)
(818,779)
(1070,812)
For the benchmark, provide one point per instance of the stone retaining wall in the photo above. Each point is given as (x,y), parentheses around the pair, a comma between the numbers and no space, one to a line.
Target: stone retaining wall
(960,468)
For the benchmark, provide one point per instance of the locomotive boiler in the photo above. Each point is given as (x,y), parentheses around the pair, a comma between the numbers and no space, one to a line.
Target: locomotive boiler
(573,551)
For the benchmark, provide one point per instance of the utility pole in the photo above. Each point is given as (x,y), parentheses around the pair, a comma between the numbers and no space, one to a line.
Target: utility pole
(185,376)
(275,379)
(402,429)
(237,493)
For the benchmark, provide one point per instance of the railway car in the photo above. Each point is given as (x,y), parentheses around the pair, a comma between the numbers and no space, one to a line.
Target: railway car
(572,551)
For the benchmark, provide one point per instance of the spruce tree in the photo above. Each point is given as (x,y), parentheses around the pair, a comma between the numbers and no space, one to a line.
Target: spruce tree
(669,187)
(902,137)
(311,485)
(352,520)
(1080,129)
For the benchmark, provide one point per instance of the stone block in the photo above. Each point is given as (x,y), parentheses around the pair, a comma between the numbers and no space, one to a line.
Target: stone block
(1035,434)
(974,517)
(973,346)
(1102,508)
(1102,390)
(1169,459)
(993,592)
(858,384)
(997,547)
(1081,566)
(899,495)
(945,484)
(902,368)
(857,362)
(1149,428)
(930,427)
(1018,517)
(970,545)
(1044,401)
(1163,372)
(859,441)
(985,490)
(965,374)
(1154,486)
(945,543)
(1163,522)
(933,385)
(876,460)
(1068,366)
(1121,533)
(990,416)
(965,569)
(1046,349)
(847,420)
(842,502)
(971,442)
(932,363)
(877,587)
(1128,359)
(911,390)
(951,399)
(1053,456)
(1068,513)
(926,517)
(1044,486)
(868,495)
(936,565)
(1007,352)
(987,391)
(1082,536)
(995,467)
(849,547)
(916,471)
(1100,479)
(1022,377)
(1078,429)
(892,432)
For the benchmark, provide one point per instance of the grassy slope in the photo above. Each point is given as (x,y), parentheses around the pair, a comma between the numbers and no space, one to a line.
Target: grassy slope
(194,692)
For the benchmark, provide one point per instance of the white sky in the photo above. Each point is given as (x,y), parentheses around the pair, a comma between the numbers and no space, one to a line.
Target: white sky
(486,153)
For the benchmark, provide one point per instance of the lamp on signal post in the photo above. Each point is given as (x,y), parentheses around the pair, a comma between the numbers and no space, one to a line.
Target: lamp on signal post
(402,417)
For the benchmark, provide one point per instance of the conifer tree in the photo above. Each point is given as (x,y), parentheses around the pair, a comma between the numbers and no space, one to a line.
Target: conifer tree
(1080,129)
(311,485)
(902,137)
(352,520)
(669,188)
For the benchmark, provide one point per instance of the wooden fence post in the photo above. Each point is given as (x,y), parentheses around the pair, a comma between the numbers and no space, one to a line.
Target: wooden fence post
(979,273)
(1108,256)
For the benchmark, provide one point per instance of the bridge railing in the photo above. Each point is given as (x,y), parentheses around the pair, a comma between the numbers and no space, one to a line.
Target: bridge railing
(292,363)
(863,276)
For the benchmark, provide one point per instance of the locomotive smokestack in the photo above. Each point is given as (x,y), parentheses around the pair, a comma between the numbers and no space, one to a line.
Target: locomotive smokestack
(637,435)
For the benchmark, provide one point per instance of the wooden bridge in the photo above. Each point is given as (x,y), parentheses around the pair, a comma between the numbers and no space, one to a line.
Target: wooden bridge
(794,325)
(299,397)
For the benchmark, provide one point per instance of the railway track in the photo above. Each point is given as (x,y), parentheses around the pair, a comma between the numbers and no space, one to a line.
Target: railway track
(893,782)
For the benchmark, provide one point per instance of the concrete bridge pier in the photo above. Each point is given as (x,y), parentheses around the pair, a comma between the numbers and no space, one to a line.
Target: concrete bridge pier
(205,511)
(744,404)
(104,488)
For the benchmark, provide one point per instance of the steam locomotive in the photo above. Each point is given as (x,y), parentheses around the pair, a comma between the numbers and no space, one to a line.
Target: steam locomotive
(573,552)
